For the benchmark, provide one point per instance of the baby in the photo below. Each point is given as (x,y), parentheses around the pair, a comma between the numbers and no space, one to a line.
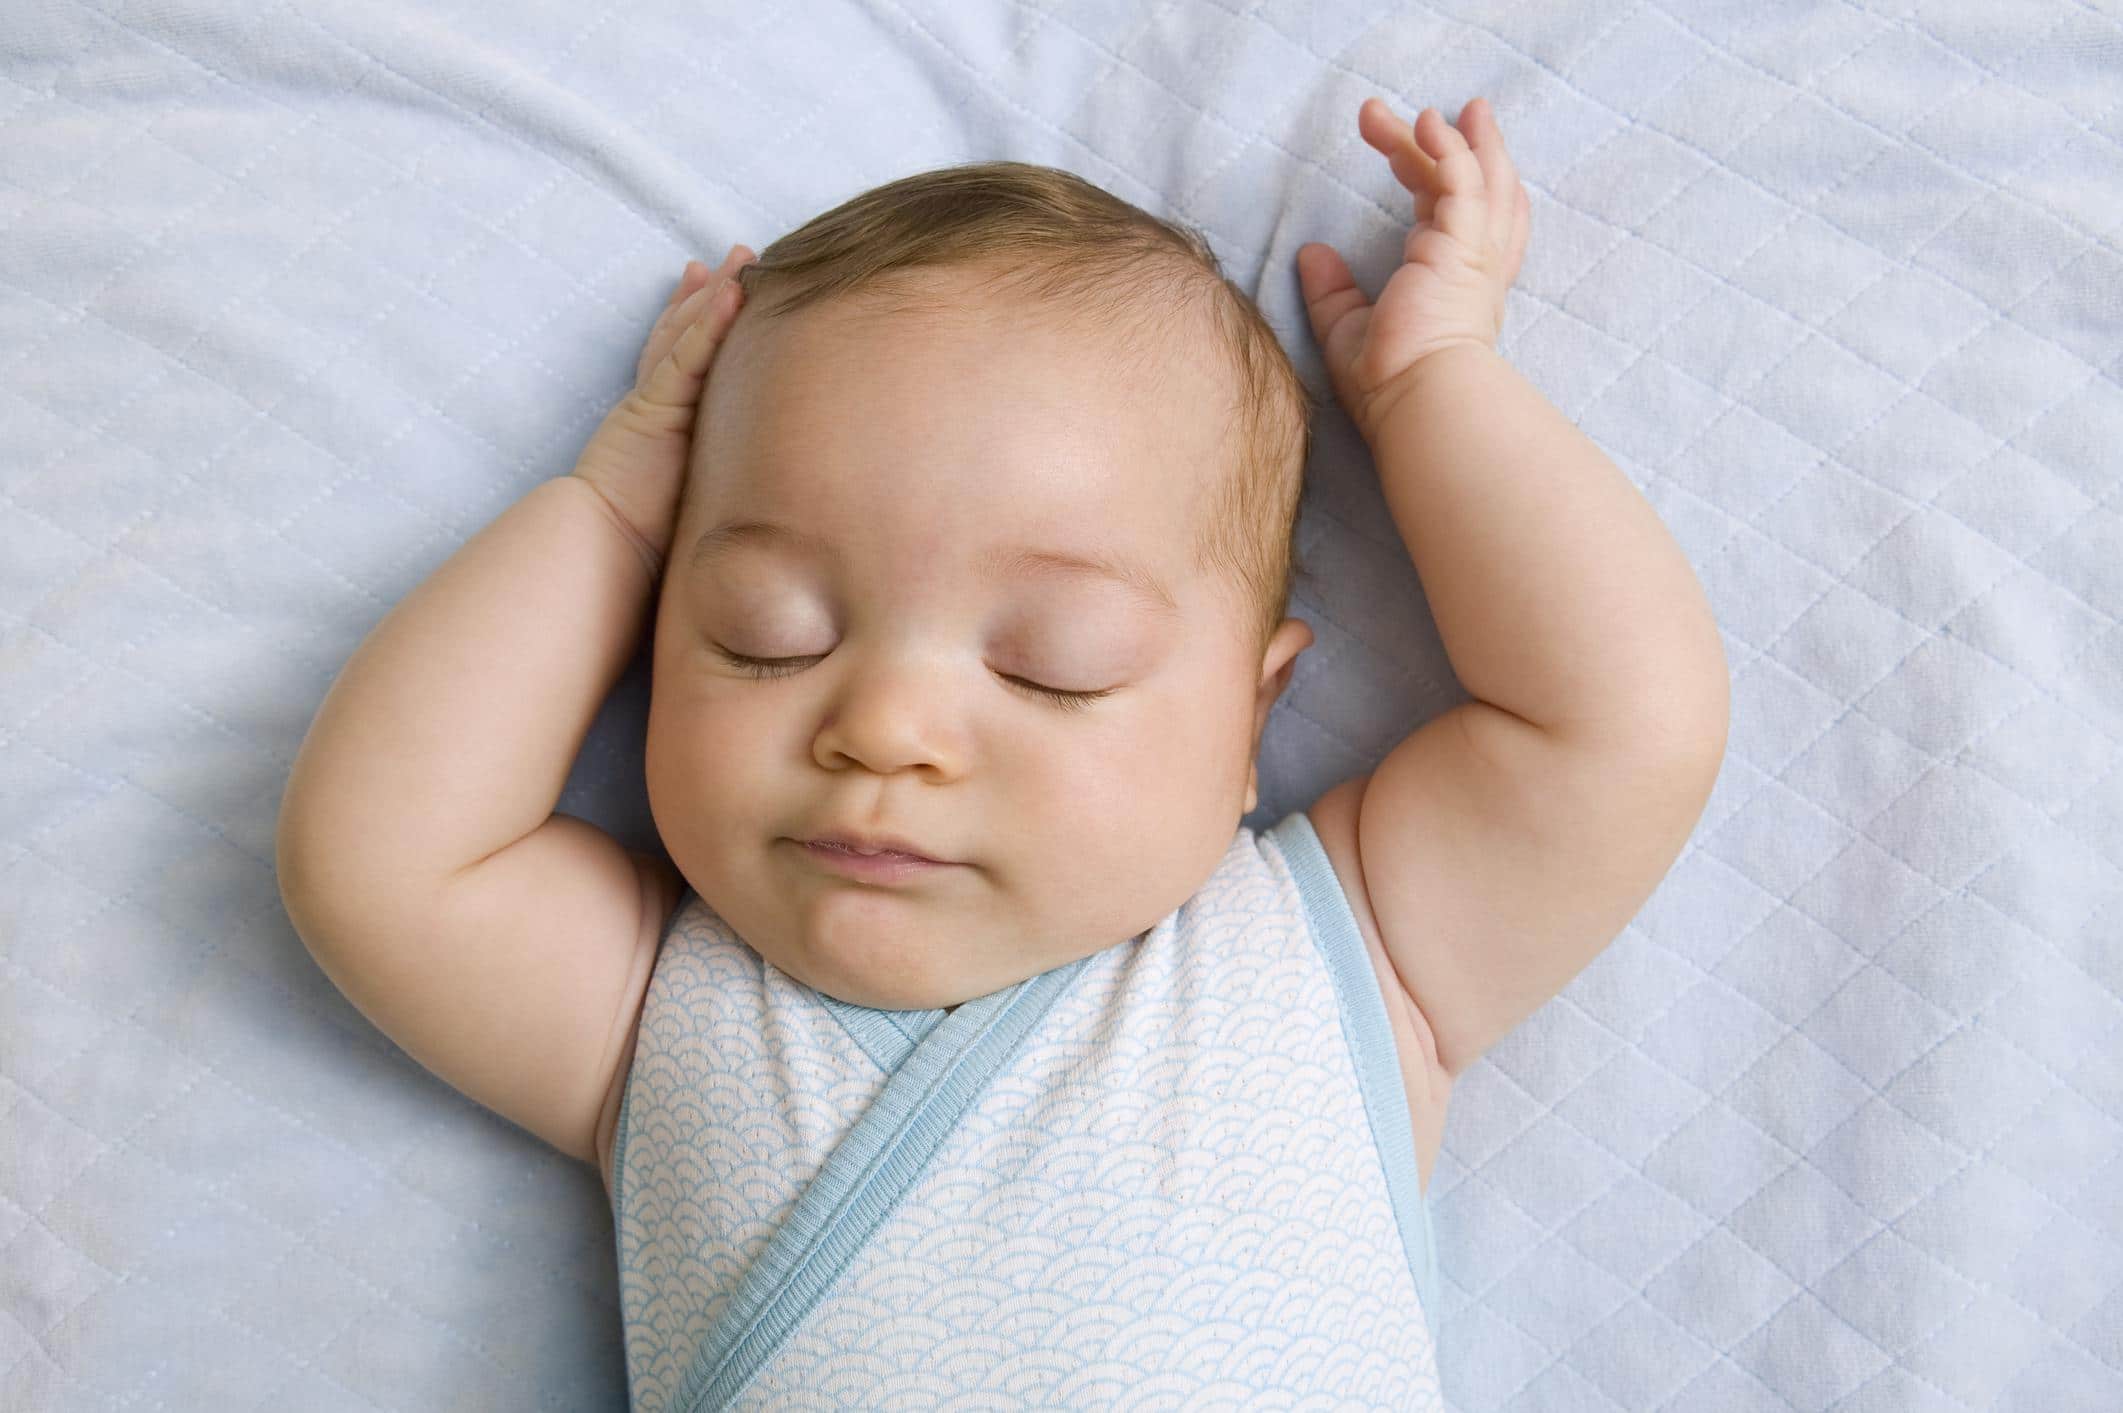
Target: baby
(966,1039)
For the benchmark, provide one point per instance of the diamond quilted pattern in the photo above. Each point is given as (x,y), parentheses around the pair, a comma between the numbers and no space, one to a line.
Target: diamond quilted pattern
(292,305)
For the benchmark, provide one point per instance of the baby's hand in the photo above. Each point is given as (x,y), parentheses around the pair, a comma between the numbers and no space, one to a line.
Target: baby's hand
(1471,219)
(637,456)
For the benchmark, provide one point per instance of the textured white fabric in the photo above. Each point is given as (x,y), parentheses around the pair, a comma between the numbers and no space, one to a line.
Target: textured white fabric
(294,298)
(1167,1194)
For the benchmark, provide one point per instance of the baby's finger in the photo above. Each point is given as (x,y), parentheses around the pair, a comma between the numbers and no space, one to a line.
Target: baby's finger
(669,325)
(1521,228)
(664,331)
(1329,289)
(1499,173)
(1463,197)
(696,275)
(674,379)
(1412,167)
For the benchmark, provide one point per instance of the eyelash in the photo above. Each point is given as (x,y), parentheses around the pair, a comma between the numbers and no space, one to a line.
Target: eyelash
(773,667)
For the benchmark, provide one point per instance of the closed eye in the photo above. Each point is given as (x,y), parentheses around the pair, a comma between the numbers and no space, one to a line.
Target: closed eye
(778,667)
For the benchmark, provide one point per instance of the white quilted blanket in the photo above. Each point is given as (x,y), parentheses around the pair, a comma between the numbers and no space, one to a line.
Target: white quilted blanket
(294,298)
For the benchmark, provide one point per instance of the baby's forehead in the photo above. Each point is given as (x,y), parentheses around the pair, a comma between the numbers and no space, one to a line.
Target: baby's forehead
(1073,420)
(1135,324)
(849,378)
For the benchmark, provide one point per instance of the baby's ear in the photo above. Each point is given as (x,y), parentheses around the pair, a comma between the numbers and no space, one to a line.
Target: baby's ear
(1290,639)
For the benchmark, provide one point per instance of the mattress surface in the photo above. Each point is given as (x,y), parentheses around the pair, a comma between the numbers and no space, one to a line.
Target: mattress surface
(295,299)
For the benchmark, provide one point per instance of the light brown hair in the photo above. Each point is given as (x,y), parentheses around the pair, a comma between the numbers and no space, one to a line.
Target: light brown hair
(1055,237)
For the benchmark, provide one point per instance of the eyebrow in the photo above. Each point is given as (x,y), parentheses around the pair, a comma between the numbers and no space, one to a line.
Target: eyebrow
(1013,561)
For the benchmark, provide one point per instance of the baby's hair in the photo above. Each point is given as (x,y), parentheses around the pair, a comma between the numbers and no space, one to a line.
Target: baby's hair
(1051,234)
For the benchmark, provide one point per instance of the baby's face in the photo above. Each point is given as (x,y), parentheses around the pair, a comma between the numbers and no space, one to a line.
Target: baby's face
(911,457)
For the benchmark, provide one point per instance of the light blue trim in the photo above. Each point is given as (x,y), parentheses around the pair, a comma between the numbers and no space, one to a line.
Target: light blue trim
(863,1179)
(619,1182)
(887,1037)
(619,1146)
(1370,1035)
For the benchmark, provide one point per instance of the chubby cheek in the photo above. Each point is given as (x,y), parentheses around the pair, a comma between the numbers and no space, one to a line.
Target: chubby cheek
(1121,829)
(703,768)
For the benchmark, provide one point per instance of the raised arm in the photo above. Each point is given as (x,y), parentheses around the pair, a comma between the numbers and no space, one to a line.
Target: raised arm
(420,858)
(450,733)
(502,945)
(1507,840)
(1560,595)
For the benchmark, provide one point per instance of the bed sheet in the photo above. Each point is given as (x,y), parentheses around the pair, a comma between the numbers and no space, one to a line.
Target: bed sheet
(295,298)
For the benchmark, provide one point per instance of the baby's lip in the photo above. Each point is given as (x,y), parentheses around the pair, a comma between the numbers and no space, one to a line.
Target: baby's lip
(875,844)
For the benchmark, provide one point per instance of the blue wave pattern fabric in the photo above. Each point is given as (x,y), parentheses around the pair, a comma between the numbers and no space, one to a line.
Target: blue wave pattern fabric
(1176,1173)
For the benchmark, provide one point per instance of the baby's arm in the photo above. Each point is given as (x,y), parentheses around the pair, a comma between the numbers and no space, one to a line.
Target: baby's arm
(1509,840)
(1506,841)
(1559,594)
(506,947)
(503,946)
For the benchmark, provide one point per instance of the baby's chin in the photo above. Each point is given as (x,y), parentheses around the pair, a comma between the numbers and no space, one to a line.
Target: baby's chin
(869,988)
(899,998)
(930,980)
(875,964)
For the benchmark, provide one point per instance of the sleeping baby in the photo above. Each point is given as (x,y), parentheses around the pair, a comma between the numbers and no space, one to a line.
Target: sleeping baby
(961,1042)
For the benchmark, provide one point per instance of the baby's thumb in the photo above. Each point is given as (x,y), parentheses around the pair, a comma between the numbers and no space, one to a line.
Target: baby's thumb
(1329,289)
